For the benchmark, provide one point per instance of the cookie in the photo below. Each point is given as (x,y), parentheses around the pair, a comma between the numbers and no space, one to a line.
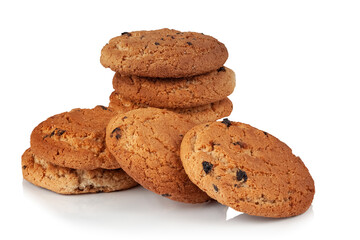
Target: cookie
(247,169)
(163,53)
(75,139)
(177,93)
(201,114)
(72,181)
(146,142)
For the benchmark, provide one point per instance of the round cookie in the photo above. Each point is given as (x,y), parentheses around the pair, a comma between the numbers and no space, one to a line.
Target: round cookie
(201,114)
(177,93)
(163,53)
(247,169)
(146,142)
(75,139)
(72,181)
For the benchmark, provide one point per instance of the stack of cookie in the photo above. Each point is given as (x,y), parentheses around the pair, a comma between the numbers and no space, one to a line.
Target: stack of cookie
(179,71)
(159,131)
(68,154)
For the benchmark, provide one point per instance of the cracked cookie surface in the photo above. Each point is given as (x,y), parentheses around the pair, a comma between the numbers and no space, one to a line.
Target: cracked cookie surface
(177,93)
(163,53)
(201,114)
(75,139)
(72,181)
(146,142)
(247,169)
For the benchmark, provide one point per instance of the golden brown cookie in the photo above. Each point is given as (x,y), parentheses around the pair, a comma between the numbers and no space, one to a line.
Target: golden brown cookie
(75,139)
(72,181)
(247,169)
(146,142)
(177,93)
(163,53)
(201,114)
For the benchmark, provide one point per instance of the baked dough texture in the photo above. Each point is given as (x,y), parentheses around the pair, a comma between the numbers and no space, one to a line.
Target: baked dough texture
(72,181)
(247,169)
(200,114)
(146,143)
(75,139)
(163,53)
(177,93)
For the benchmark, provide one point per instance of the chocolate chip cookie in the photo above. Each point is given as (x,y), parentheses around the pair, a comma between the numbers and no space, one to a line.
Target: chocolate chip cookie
(72,181)
(177,93)
(247,169)
(75,139)
(146,143)
(201,114)
(163,53)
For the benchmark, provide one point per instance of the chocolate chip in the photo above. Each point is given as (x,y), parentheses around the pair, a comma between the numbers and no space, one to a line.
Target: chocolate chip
(214,144)
(172,37)
(241,144)
(227,122)
(52,133)
(181,135)
(126,33)
(60,132)
(207,125)
(241,175)
(222,69)
(166,195)
(156,43)
(189,43)
(47,135)
(124,118)
(215,188)
(117,133)
(102,107)
(266,134)
(207,166)
(24,167)
(162,39)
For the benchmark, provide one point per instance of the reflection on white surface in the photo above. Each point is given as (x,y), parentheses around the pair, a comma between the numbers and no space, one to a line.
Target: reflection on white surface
(139,207)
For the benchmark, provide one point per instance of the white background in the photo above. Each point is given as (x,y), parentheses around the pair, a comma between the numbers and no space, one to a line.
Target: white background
(297,65)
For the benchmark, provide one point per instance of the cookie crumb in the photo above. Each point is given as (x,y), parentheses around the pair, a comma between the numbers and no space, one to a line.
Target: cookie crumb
(207,166)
